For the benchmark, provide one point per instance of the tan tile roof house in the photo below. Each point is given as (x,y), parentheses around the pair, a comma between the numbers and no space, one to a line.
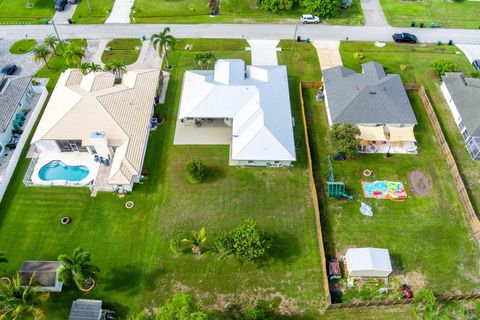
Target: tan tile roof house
(83,107)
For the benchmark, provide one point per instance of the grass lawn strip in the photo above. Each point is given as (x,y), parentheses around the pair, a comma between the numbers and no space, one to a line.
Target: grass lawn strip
(232,11)
(23,46)
(123,50)
(131,246)
(16,11)
(449,14)
(97,13)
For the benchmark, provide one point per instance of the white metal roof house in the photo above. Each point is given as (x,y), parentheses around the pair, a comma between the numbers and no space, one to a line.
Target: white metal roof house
(375,102)
(368,263)
(96,129)
(253,100)
(463,98)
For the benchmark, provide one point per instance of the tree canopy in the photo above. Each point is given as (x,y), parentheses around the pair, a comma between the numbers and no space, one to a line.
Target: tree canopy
(342,138)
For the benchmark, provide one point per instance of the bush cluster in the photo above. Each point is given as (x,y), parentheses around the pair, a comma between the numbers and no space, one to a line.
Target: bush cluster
(195,170)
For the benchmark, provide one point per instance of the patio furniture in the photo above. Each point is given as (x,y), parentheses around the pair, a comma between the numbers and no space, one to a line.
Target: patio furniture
(96,158)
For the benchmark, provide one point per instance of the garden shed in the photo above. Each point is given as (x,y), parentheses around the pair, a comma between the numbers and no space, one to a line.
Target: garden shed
(368,263)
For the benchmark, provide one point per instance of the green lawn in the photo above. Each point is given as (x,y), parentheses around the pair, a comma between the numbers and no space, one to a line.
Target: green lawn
(97,13)
(449,14)
(132,246)
(15,11)
(232,11)
(23,46)
(123,50)
(423,234)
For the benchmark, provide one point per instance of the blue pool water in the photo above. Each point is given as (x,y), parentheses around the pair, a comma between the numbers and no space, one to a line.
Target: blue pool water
(57,170)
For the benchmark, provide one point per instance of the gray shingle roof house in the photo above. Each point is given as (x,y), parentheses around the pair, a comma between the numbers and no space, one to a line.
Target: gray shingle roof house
(370,97)
(463,98)
(45,274)
(12,91)
(84,309)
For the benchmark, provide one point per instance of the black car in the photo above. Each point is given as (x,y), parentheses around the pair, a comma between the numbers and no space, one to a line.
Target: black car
(476,64)
(60,5)
(9,69)
(404,37)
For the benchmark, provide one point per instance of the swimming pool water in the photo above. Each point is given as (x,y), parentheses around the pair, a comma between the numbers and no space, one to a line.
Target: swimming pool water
(57,170)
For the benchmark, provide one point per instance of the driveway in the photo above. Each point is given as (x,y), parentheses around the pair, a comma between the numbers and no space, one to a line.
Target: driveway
(328,53)
(373,12)
(26,65)
(94,51)
(471,51)
(148,57)
(61,17)
(264,52)
(120,12)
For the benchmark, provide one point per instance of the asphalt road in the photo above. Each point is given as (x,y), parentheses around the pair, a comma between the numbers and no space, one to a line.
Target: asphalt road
(248,31)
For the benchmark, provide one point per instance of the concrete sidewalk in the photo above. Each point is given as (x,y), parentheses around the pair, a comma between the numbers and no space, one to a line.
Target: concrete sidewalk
(328,53)
(264,52)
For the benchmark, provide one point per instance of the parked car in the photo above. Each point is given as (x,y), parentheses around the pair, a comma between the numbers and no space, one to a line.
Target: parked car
(60,5)
(72,1)
(407,293)
(9,69)
(309,18)
(476,64)
(334,271)
(404,37)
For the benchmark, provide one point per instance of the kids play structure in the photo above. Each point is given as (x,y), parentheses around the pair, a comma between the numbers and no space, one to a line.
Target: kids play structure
(334,189)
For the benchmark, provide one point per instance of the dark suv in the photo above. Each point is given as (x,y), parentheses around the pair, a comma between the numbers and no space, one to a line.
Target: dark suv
(60,5)
(404,37)
(476,64)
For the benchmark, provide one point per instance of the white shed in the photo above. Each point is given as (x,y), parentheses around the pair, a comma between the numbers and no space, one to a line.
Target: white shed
(368,262)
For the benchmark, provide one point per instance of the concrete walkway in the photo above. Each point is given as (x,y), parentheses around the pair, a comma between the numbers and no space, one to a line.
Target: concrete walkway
(373,12)
(94,51)
(61,17)
(328,53)
(120,12)
(148,58)
(264,52)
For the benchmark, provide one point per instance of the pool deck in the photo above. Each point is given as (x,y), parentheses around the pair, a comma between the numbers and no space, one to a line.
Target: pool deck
(69,159)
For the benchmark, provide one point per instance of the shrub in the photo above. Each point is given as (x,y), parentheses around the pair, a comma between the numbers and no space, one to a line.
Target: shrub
(180,306)
(442,66)
(195,170)
(358,55)
(403,67)
(223,243)
(175,246)
(323,8)
(342,138)
(475,74)
(249,242)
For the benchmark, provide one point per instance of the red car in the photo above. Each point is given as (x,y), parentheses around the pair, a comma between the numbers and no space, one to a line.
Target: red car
(407,293)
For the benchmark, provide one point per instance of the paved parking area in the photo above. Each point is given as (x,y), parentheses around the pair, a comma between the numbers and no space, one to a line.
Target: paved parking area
(328,53)
(471,51)
(264,52)
(61,17)
(26,65)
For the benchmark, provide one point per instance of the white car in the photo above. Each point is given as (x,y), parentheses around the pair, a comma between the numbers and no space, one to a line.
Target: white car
(309,18)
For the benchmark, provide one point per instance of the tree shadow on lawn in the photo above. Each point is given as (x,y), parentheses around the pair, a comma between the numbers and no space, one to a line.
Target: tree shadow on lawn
(125,279)
(214,173)
(285,247)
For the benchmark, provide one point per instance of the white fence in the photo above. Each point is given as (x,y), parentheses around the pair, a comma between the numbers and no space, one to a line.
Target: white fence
(12,164)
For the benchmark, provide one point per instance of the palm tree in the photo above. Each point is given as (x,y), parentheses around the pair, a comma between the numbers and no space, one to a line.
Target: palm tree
(163,42)
(117,67)
(51,41)
(196,241)
(19,301)
(73,54)
(77,269)
(93,67)
(84,67)
(41,53)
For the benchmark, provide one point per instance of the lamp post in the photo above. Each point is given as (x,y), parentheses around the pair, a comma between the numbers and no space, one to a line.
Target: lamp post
(56,32)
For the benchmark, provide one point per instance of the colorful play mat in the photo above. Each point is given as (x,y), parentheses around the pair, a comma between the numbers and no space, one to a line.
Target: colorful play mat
(384,190)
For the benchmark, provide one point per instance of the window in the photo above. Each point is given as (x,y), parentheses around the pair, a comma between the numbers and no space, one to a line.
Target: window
(250,161)
(71,146)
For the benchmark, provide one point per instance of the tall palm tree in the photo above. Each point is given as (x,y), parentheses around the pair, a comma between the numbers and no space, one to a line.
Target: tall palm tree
(51,41)
(196,241)
(77,269)
(117,67)
(163,42)
(41,53)
(19,301)
(73,54)
(93,67)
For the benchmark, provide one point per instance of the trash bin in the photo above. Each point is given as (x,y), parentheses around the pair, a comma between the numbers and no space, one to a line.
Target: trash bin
(413,24)
(439,43)
(45,21)
(69,21)
(450,42)
(421,25)
(299,38)
(144,38)
(307,40)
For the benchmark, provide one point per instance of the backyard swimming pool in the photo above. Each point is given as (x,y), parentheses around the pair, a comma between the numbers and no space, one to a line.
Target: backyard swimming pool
(57,170)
